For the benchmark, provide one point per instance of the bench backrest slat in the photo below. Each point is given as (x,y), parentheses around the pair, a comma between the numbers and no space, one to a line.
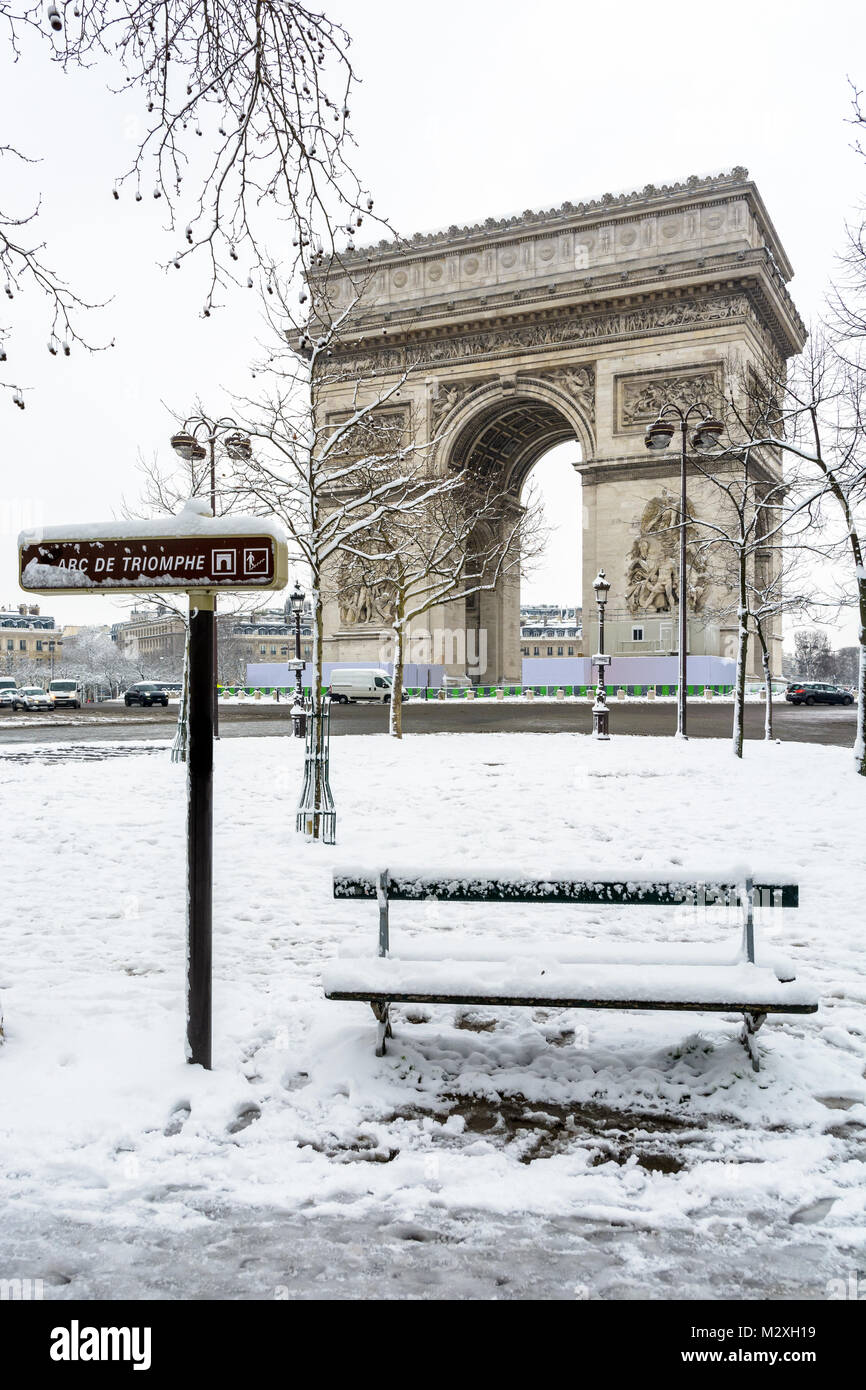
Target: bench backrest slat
(627,891)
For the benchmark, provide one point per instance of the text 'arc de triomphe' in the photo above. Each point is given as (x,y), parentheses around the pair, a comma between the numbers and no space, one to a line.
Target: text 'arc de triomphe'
(572,324)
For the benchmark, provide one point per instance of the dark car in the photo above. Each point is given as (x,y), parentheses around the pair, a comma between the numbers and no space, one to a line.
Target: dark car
(145,693)
(814,693)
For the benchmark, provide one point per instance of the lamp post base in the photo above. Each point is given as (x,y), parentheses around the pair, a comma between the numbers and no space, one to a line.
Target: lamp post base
(299,717)
(600,718)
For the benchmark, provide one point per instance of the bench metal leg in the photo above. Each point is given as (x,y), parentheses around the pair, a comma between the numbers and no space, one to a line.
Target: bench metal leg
(383,1031)
(751,1024)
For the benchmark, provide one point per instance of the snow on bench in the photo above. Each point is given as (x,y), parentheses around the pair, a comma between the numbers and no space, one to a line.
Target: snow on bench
(725,988)
(458,946)
(679,976)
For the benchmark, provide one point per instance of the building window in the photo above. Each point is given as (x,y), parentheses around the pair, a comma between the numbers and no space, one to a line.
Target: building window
(263,651)
(571,651)
(535,651)
(22,645)
(10,645)
(559,651)
(284,651)
(637,634)
(39,646)
(273,651)
(550,651)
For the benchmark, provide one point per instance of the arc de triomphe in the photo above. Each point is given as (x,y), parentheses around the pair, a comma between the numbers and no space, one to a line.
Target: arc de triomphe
(574,324)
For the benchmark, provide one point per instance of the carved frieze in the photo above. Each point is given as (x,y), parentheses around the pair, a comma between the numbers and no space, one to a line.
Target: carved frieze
(640,396)
(449,396)
(510,339)
(577,382)
(652,567)
(365,593)
(381,432)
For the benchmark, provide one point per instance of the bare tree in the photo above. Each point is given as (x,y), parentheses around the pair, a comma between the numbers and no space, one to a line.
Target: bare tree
(848,295)
(23,267)
(232,654)
(813,420)
(327,480)
(776,586)
(91,656)
(757,534)
(733,536)
(845,664)
(465,538)
(813,654)
(825,415)
(246,139)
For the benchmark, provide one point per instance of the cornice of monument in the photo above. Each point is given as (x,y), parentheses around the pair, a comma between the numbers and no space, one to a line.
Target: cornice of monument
(751,275)
(592,292)
(569,216)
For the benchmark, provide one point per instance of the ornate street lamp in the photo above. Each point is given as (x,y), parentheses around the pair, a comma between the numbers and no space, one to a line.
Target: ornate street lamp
(705,438)
(295,607)
(194,441)
(600,711)
(238,447)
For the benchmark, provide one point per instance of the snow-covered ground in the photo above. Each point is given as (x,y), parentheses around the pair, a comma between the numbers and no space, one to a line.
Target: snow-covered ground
(492,1152)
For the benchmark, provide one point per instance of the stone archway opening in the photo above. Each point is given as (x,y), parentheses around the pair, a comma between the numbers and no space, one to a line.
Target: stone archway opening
(527,445)
(551,585)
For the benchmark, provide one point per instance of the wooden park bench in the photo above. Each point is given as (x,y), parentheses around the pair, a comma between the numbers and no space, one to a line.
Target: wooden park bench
(691,976)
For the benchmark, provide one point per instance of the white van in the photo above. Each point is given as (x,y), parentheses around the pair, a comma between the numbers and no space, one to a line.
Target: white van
(64,692)
(360,685)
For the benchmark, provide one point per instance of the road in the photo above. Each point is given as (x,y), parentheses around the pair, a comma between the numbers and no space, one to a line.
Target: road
(832,725)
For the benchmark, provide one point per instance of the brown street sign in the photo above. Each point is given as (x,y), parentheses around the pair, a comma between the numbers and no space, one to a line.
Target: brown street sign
(255,561)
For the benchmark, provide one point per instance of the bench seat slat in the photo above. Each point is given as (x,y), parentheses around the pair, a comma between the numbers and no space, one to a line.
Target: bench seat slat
(737,988)
(625,890)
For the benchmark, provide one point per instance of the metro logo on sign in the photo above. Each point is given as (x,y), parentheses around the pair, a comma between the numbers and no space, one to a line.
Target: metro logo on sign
(193,551)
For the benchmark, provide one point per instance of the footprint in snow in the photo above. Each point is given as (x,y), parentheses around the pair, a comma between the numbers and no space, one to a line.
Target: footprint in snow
(812,1214)
(243,1119)
(178,1118)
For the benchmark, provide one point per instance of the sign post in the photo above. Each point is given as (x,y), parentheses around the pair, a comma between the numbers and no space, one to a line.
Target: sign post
(200,829)
(197,554)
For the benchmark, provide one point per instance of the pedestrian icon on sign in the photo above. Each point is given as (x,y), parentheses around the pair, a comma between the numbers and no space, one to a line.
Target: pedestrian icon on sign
(223,561)
(256,560)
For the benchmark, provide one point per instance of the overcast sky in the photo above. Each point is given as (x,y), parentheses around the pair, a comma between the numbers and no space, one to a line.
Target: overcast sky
(469,108)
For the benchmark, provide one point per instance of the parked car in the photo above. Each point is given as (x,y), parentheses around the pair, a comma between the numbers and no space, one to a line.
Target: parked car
(815,693)
(7,695)
(145,693)
(64,692)
(8,682)
(372,685)
(30,697)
